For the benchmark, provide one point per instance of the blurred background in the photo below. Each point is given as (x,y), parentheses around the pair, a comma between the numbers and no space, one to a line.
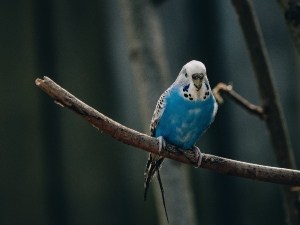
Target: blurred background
(56,169)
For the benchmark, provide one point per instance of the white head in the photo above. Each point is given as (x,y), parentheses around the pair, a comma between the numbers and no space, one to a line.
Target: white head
(193,81)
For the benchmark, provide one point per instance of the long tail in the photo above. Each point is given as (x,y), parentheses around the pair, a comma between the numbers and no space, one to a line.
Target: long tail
(153,165)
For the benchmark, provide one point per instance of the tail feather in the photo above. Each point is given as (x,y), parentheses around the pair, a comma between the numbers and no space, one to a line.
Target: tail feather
(152,167)
(162,194)
(153,164)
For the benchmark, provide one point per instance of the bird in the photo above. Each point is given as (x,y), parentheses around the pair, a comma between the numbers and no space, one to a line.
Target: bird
(182,114)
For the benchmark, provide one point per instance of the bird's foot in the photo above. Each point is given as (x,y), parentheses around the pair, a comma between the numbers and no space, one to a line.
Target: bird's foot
(198,155)
(194,155)
(161,144)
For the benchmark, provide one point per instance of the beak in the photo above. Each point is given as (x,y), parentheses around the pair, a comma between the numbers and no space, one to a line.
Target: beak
(197,79)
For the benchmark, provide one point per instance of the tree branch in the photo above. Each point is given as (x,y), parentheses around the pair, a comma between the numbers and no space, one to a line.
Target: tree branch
(221,88)
(150,144)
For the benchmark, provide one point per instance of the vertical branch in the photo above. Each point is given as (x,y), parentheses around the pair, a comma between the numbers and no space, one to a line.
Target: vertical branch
(264,77)
(151,74)
(274,117)
(291,9)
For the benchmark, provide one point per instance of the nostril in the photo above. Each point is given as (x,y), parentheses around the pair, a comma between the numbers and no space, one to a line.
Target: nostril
(198,76)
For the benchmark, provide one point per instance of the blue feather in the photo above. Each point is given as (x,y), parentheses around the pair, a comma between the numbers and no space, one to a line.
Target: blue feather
(184,121)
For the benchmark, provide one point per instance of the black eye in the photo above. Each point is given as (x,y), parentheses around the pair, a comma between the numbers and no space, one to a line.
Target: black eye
(185,74)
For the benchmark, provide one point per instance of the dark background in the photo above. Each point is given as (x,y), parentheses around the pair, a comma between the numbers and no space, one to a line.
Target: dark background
(57,169)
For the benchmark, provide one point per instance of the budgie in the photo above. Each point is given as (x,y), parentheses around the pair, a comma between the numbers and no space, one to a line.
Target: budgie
(182,114)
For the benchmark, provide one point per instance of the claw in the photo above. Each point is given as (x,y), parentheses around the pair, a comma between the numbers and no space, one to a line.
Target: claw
(161,143)
(199,155)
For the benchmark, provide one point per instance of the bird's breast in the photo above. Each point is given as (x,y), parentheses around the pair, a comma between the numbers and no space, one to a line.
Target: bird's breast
(184,121)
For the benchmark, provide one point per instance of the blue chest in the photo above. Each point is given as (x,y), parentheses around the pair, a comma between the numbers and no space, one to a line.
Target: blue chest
(184,121)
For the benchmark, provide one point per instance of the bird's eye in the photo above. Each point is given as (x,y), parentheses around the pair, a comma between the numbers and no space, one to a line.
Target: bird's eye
(185,74)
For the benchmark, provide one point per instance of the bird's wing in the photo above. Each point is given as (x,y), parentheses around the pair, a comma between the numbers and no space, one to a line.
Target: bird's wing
(158,112)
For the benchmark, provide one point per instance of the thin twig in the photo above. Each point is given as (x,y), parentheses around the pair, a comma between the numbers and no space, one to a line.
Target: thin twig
(222,88)
(150,144)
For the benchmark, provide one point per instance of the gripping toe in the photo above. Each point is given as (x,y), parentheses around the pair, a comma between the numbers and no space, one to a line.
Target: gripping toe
(161,143)
(199,155)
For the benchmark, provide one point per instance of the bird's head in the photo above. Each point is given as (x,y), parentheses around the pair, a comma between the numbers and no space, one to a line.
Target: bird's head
(193,79)
(194,73)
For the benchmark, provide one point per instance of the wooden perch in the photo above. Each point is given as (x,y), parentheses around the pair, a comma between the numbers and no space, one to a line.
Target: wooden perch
(150,144)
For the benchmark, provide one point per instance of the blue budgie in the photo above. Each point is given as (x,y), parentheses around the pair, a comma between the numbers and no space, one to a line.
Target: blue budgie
(182,114)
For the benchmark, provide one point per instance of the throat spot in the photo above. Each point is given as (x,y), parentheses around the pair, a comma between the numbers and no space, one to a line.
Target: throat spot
(188,96)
